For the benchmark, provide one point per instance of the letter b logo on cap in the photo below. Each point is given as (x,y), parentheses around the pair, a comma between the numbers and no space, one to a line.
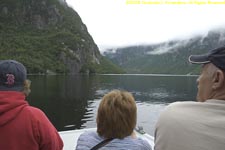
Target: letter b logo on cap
(10,79)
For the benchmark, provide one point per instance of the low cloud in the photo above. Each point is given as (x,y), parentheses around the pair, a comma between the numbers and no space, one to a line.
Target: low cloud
(167,48)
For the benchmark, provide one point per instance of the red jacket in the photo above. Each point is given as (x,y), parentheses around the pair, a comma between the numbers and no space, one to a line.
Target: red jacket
(23,127)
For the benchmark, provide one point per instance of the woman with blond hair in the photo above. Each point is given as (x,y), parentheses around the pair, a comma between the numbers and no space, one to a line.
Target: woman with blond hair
(116,120)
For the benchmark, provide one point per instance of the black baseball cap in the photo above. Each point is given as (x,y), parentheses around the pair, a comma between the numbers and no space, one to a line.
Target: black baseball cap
(215,56)
(12,75)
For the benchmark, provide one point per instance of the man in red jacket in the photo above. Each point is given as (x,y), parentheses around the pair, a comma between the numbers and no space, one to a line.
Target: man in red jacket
(22,127)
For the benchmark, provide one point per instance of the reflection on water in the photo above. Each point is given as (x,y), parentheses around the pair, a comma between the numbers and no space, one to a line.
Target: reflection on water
(71,102)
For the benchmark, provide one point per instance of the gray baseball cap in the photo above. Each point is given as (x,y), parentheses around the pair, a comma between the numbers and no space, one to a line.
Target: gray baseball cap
(12,75)
(215,56)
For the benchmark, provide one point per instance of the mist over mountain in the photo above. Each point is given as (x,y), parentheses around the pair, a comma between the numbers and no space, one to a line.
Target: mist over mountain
(166,58)
(49,37)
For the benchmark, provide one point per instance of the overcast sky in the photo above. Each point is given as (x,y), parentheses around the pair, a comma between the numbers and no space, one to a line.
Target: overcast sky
(113,23)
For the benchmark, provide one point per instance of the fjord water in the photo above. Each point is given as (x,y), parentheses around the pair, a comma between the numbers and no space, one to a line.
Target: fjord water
(71,101)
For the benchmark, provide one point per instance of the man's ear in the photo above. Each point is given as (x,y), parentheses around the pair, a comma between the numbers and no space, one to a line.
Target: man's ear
(218,79)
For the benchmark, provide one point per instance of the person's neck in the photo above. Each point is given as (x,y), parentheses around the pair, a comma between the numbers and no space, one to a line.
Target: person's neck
(133,135)
(220,95)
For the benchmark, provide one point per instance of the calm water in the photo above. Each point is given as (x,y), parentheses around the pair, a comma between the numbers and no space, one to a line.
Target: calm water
(71,102)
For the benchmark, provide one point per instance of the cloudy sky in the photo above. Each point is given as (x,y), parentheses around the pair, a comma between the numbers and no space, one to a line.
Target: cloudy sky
(113,23)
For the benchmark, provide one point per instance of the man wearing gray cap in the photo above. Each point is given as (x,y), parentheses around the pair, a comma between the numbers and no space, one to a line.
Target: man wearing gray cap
(197,125)
(22,127)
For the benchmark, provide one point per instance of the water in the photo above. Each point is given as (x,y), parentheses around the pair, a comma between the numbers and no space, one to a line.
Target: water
(71,102)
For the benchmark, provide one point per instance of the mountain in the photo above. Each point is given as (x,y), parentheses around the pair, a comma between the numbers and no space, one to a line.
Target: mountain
(168,57)
(49,37)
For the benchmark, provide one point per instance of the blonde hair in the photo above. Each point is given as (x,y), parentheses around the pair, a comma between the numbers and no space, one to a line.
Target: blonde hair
(117,115)
(26,88)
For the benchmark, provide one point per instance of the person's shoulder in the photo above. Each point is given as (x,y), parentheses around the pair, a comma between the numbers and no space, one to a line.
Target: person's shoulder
(144,144)
(87,140)
(36,114)
(133,143)
(88,135)
(35,111)
(180,106)
(176,110)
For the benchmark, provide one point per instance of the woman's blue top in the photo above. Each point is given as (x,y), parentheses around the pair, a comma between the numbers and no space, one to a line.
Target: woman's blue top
(89,139)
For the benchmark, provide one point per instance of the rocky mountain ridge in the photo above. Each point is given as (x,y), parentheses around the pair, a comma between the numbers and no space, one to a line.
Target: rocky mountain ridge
(167,58)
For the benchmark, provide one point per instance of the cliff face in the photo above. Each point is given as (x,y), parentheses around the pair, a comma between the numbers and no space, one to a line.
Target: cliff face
(38,13)
(47,36)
